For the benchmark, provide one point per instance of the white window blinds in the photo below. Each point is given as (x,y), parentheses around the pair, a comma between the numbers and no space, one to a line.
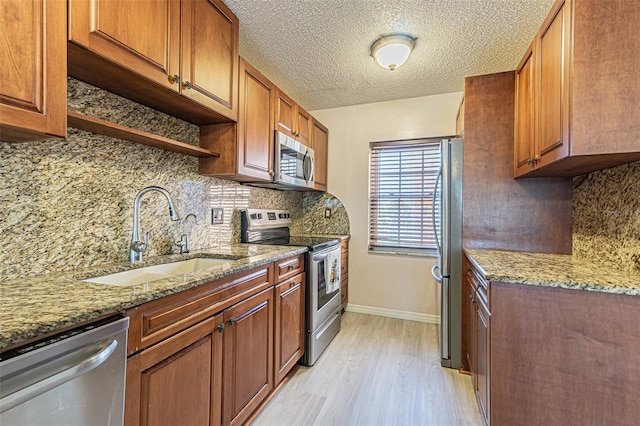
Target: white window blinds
(401,195)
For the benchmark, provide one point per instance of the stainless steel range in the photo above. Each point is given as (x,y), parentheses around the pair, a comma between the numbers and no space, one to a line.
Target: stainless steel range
(322,316)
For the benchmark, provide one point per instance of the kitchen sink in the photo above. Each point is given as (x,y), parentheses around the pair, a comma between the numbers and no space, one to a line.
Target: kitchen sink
(157,272)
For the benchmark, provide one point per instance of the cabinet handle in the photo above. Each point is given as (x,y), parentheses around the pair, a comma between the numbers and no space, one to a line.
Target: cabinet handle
(535,160)
(173,79)
(292,284)
(221,328)
(471,298)
(231,321)
(186,85)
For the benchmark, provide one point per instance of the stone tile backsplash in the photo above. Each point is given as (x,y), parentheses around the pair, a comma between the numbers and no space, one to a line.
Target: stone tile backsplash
(606,217)
(68,204)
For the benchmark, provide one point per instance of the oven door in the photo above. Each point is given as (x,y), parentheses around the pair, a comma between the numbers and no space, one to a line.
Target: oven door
(294,162)
(321,304)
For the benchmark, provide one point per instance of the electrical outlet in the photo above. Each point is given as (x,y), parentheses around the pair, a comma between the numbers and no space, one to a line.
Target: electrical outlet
(217,216)
(327,213)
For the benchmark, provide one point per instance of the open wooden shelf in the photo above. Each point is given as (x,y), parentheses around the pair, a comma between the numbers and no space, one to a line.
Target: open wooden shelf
(103,127)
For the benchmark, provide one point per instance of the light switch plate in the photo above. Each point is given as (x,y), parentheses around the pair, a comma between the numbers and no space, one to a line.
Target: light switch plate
(217,216)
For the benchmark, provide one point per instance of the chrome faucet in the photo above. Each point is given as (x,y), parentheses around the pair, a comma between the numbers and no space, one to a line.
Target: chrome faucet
(184,240)
(138,247)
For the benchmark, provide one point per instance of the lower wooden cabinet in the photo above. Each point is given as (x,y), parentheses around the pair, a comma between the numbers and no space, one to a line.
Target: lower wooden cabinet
(344,274)
(479,338)
(177,381)
(205,356)
(248,356)
(289,325)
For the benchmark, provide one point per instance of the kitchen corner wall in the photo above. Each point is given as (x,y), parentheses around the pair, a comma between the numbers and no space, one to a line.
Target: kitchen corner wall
(606,217)
(68,204)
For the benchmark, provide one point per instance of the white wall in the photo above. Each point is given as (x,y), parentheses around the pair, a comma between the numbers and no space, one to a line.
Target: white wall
(400,284)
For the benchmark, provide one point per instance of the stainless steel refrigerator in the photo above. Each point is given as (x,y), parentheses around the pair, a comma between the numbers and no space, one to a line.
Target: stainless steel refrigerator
(447,222)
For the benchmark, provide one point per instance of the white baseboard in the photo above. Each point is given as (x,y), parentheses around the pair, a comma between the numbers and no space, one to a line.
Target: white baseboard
(412,316)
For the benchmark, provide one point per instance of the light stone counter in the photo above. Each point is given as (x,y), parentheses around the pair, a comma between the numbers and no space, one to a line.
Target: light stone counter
(553,270)
(33,307)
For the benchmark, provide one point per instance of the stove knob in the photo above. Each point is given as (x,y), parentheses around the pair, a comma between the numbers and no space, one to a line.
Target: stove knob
(259,215)
(254,216)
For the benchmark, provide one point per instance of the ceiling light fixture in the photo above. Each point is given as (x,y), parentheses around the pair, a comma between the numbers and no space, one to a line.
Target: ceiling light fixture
(393,50)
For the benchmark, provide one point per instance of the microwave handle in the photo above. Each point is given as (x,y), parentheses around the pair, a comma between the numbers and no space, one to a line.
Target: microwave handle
(308,160)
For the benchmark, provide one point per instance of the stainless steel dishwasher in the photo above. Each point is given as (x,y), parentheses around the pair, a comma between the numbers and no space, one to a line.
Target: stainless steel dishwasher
(76,378)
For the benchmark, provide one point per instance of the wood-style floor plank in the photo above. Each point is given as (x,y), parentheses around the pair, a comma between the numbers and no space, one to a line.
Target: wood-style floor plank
(377,371)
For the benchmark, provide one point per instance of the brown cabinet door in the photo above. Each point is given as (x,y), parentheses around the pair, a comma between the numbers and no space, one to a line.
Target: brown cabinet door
(482,358)
(141,36)
(303,126)
(553,53)
(321,151)
(33,86)
(248,356)
(177,381)
(524,115)
(209,65)
(289,325)
(255,124)
(285,114)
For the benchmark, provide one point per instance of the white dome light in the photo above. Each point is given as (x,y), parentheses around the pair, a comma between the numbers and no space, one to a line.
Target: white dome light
(392,51)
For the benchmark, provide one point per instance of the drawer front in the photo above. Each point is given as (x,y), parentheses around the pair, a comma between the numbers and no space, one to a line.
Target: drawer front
(289,267)
(159,319)
(479,285)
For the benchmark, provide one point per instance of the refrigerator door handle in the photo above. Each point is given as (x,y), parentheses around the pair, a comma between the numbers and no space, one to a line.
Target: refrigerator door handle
(433,211)
(436,275)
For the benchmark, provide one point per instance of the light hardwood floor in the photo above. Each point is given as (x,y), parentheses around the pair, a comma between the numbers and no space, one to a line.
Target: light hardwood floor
(377,371)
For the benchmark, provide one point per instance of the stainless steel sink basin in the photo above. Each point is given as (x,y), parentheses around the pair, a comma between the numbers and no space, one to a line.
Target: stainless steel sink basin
(157,272)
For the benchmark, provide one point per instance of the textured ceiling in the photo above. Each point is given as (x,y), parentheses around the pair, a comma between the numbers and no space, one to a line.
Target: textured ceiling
(317,51)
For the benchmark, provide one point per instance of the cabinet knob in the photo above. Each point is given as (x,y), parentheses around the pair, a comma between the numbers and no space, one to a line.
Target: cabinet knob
(173,79)
(221,328)
(471,297)
(292,284)
(186,85)
(231,321)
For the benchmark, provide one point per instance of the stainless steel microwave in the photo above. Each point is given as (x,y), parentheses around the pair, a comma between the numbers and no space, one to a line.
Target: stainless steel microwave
(293,165)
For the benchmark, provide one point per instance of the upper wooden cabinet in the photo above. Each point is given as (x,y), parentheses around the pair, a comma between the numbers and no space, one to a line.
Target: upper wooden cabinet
(292,119)
(320,145)
(187,47)
(248,147)
(524,147)
(576,85)
(33,86)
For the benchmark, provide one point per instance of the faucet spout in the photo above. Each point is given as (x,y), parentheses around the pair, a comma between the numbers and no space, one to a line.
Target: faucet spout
(138,247)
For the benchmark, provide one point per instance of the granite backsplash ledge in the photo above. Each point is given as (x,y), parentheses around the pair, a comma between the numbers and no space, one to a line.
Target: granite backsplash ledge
(606,217)
(69,203)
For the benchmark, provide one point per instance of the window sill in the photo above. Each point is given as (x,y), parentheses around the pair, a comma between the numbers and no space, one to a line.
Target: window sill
(404,253)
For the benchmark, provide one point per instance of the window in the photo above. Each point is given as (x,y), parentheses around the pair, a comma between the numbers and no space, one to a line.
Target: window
(401,196)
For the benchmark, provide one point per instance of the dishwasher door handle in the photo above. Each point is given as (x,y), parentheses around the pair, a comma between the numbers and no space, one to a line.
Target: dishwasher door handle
(83,366)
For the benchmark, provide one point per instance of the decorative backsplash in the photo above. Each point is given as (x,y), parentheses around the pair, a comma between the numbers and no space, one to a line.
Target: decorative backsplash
(68,204)
(606,217)
(314,205)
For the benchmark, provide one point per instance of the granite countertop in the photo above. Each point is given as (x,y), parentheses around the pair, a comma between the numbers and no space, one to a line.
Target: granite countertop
(40,305)
(553,270)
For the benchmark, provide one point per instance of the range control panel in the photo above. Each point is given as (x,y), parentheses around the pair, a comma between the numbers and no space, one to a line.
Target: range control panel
(267,218)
